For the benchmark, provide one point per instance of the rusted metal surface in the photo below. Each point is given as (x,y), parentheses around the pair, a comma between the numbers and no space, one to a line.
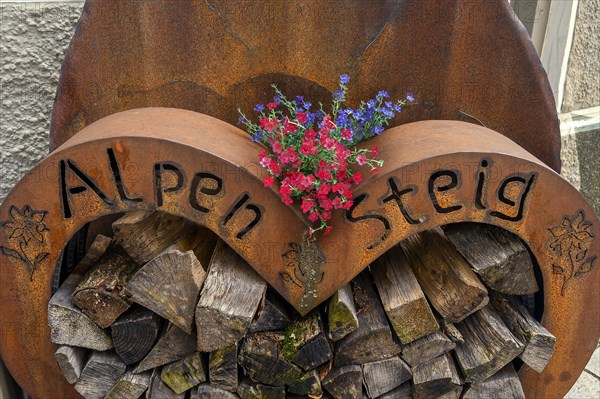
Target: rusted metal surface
(470,60)
(436,172)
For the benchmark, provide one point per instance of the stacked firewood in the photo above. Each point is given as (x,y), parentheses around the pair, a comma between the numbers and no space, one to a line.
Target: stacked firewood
(168,310)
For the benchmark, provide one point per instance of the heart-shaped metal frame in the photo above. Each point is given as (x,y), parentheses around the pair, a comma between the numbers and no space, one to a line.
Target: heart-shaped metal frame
(201,168)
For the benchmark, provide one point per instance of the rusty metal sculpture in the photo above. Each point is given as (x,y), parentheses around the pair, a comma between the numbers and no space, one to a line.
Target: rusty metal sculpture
(437,172)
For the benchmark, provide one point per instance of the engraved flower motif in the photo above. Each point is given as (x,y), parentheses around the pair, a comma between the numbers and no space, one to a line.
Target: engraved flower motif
(26,224)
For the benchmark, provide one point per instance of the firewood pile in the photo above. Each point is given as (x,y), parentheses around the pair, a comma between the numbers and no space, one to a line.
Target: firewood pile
(165,309)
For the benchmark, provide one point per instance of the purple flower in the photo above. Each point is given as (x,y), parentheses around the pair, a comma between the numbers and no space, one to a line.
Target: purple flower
(299,99)
(344,79)
(383,94)
(257,136)
(371,103)
(307,105)
(240,120)
(259,107)
(378,130)
(410,97)
(277,99)
(397,107)
(338,94)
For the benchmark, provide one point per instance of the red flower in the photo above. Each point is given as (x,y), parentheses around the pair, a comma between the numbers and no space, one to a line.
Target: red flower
(323,190)
(326,216)
(313,217)
(310,134)
(348,204)
(347,134)
(268,181)
(374,151)
(374,170)
(301,117)
(328,230)
(326,204)
(357,178)
(286,199)
(361,159)
(337,203)
(285,190)
(272,105)
(289,127)
(307,205)
(277,147)
(269,124)
(306,149)
(323,175)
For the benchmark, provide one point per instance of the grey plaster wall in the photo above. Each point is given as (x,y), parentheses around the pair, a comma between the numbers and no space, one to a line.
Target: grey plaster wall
(582,86)
(33,40)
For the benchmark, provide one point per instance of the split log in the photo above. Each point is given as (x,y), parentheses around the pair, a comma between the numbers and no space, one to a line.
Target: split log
(223,368)
(144,235)
(159,390)
(211,392)
(402,297)
(436,378)
(341,314)
(229,299)
(404,391)
(253,390)
(308,384)
(454,394)
(201,241)
(100,374)
(489,345)
(130,386)
(504,384)
(305,343)
(344,382)
(452,332)
(71,361)
(427,348)
(185,373)
(134,333)
(384,375)
(539,343)
(169,285)
(271,316)
(373,339)
(101,293)
(172,345)
(262,358)
(446,278)
(68,324)
(499,257)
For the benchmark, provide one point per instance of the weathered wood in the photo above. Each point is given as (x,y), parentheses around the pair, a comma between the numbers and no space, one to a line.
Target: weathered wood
(101,293)
(344,382)
(185,373)
(272,315)
(435,378)
(229,299)
(305,343)
(382,376)
(130,386)
(504,384)
(253,390)
(341,314)
(169,285)
(404,391)
(427,348)
(308,384)
(446,278)
(71,361)
(200,240)
(402,297)
(100,374)
(452,332)
(539,343)
(499,257)
(134,333)
(68,324)
(223,368)
(159,390)
(145,234)
(262,358)
(205,391)
(453,394)
(489,345)
(373,339)
(174,344)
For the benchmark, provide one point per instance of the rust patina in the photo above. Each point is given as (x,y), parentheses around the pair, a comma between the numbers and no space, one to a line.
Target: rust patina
(193,165)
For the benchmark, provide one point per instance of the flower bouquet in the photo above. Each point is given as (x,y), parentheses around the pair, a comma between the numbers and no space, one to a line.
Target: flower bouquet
(310,151)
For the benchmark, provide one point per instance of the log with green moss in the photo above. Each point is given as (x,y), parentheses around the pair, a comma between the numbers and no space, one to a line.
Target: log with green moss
(184,374)
(341,314)
(223,368)
(305,343)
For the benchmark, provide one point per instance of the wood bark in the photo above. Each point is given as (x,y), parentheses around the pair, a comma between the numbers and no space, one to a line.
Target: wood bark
(253,390)
(145,234)
(539,343)
(134,333)
(228,301)
(174,344)
(373,339)
(341,314)
(130,386)
(504,384)
(71,361)
(101,293)
(427,348)
(445,277)
(169,285)
(223,368)
(68,324)
(436,378)
(272,315)
(344,382)
(402,297)
(159,390)
(305,342)
(499,257)
(489,345)
(382,376)
(185,373)
(100,374)
(205,391)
